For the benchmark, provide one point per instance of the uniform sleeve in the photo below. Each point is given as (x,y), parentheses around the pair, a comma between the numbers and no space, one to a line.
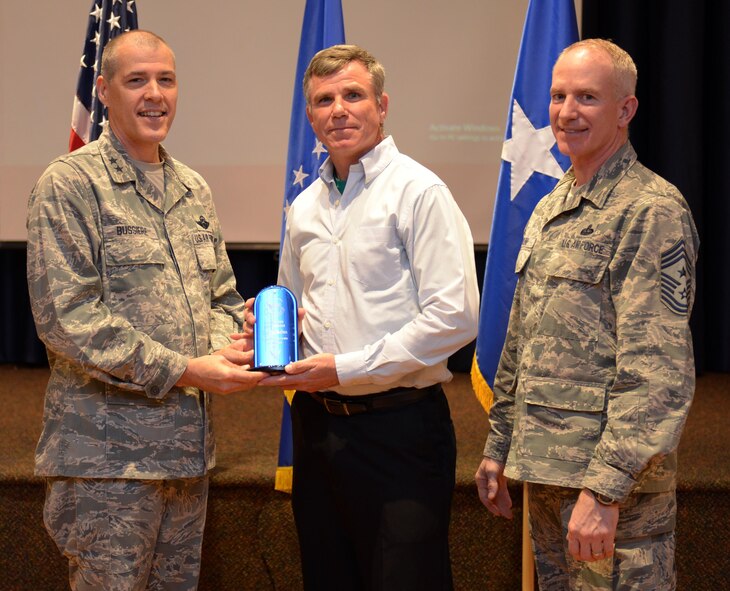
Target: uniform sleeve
(441,255)
(502,412)
(227,311)
(66,291)
(652,280)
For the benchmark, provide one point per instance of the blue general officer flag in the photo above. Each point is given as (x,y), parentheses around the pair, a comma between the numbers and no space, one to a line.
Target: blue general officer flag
(531,166)
(107,19)
(323,26)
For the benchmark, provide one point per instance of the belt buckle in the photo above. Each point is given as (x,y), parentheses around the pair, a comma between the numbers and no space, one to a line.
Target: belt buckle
(336,407)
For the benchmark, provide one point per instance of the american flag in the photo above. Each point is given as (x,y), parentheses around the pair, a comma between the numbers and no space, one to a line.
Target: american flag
(107,19)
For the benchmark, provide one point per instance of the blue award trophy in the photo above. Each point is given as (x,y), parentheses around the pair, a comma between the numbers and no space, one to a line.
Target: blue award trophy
(276,331)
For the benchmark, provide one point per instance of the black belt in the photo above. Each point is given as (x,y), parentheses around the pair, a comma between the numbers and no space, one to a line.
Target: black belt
(345,406)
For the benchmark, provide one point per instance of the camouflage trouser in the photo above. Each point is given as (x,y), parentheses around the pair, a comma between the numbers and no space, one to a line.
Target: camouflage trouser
(128,535)
(644,551)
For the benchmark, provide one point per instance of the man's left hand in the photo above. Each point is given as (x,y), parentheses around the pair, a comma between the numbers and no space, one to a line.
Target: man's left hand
(239,351)
(592,528)
(312,374)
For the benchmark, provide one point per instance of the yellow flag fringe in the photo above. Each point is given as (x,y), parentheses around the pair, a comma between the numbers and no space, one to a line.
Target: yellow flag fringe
(284,476)
(483,392)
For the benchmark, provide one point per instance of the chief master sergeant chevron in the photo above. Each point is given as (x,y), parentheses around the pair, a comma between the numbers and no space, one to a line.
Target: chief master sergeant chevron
(597,373)
(131,291)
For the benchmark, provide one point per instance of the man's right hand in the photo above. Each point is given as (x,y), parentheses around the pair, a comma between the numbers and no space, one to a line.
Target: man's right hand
(492,487)
(216,374)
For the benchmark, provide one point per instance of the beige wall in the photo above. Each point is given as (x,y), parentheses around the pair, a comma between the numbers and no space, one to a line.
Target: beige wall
(449,67)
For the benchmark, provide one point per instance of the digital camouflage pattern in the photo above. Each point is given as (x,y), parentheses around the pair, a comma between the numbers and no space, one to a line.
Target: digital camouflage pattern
(643,552)
(126,284)
(124,535)
(597,373)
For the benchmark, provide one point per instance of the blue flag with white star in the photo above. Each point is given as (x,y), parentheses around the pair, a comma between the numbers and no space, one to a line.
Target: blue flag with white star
(531,166)
(323,26)
(107,19)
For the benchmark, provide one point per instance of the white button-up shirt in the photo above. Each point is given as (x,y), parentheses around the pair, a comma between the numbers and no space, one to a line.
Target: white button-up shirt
(385,272)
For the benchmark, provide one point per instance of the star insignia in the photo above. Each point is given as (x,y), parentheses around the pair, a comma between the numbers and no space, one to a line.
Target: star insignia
(319,149)
(114,22)
(130,8)
(82,62)
(96,13)
(299,176)
(528,150)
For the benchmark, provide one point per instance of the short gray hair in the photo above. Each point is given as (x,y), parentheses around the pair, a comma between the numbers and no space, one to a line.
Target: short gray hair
(333,59)
(625,72)
(139,37)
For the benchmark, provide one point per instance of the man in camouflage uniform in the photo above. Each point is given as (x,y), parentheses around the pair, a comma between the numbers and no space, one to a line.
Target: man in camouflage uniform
(132,292)
(597,372)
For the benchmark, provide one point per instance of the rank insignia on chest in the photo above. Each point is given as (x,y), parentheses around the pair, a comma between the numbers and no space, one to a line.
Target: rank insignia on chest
(202,222)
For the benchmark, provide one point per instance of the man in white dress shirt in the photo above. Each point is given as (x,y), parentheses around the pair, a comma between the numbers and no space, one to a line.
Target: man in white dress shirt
(381,258)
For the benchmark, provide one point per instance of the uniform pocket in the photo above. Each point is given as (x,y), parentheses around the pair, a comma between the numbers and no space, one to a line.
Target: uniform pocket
(123,250)
(573,292)
(562,418)
(204,244)
(139,427)
(135,269)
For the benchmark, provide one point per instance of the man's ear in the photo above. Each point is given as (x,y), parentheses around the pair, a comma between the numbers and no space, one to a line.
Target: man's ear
(627,109)
(384,99)
(101,89)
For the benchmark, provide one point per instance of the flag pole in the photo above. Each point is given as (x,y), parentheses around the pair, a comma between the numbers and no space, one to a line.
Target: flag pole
(528,558)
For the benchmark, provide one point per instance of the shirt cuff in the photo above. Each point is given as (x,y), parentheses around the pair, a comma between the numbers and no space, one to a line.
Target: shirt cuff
(172,366)
(496,448)
(351,368)
(605,479)
(220,337)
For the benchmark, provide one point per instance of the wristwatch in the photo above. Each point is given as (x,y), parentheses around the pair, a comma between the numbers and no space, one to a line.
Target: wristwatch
(603,499)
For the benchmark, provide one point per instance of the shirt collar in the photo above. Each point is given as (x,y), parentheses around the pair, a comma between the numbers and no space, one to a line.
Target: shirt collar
(370,165)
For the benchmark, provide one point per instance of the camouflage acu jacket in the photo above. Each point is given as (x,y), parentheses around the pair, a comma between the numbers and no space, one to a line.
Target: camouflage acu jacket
(597,372)
(125,285)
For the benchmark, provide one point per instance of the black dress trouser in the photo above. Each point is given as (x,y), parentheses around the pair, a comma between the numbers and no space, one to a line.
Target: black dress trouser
(372,496)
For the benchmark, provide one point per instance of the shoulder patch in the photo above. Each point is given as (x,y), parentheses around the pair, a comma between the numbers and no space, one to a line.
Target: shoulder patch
(675,278)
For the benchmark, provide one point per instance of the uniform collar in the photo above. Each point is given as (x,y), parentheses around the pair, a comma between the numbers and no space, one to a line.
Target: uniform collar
(122,170)
(599,187)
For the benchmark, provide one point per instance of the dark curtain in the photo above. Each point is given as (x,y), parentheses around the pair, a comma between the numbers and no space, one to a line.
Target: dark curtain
(682,52)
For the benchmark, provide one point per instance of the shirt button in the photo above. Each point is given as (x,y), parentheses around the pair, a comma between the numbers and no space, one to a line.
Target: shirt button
(328,324)
(337,203)
(330,282)
(335,241)
(155,390)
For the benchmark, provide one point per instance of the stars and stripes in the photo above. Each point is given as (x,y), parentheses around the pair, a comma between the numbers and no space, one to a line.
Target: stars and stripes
(107,19)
